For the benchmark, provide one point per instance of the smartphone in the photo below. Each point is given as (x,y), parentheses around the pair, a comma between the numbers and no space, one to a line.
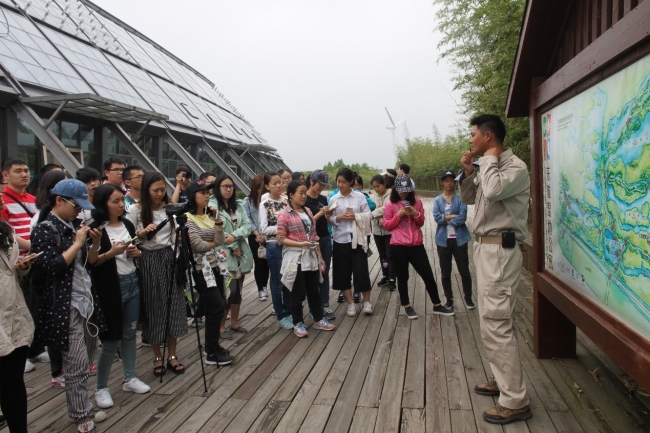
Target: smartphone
(130,241)
(101,226)
(214,213)
(349,210)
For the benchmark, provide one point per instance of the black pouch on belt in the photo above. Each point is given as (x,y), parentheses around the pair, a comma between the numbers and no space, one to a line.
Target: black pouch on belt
(508,240)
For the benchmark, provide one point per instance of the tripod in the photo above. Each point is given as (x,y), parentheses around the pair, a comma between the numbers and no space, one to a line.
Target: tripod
(182,245)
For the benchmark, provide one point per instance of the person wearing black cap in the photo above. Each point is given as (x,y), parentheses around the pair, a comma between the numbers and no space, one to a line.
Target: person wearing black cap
(452,238)
(206,233)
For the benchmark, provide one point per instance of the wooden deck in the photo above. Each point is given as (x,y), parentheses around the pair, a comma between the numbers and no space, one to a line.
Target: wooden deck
(381,373)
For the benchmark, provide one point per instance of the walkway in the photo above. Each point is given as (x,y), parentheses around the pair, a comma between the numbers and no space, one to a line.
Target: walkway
(380,373)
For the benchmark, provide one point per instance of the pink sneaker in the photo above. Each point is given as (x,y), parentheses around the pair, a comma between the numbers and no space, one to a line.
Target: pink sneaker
(92,370)
(324,325)
(59,381)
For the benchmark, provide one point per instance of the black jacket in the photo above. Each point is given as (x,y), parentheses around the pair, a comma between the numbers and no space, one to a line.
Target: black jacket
(52,278)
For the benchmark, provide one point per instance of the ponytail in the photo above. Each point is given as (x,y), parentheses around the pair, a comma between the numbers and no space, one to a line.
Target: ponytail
(45,210)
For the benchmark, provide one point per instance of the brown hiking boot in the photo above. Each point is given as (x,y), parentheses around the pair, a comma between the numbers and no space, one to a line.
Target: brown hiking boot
(489,388)
(502,415)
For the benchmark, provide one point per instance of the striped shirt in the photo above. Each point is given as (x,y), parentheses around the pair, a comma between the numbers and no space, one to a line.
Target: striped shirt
(16,216)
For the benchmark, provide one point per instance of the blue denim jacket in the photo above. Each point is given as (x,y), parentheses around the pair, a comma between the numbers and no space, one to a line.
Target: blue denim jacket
(458,208)
(253,214)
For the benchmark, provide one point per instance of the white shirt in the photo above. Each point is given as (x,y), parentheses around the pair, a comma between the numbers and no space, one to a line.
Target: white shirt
(162,239)
(269,210)
(125,265)
(342,231)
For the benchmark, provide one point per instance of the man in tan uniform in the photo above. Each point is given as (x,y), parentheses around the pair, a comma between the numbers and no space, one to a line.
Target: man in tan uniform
(500,189)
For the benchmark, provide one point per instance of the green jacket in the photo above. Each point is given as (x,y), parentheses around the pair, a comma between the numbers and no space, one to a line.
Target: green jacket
(244,263)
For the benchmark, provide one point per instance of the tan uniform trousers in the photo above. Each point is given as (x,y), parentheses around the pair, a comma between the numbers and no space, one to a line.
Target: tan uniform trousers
(498,271)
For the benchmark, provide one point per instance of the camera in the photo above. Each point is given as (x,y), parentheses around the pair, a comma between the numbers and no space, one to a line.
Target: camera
(175,209)
(187,175)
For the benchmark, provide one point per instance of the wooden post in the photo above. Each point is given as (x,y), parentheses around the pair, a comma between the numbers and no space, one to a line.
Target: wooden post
(555,334)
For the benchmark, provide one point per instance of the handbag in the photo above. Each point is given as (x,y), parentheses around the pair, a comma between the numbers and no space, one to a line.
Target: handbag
(261,252)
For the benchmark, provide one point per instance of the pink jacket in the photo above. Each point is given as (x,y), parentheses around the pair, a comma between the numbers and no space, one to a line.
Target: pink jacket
(405,231)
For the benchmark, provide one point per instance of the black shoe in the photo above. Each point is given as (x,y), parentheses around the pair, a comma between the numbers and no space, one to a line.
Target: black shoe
(383,282)
(450,304)
(391,285)
(218,359)
(469,304)
(222,350)
(341,298)
(441,309)
(357,298)
(410,313)
(3,421)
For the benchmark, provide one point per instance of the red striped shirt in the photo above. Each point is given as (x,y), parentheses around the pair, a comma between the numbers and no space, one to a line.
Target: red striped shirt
(16,216)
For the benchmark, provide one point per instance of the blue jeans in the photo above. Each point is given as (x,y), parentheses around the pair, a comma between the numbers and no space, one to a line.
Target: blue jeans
(280,295)
(130,289)
(326,250)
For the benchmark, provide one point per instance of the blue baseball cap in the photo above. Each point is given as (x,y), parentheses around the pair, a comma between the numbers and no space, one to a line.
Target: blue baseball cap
(74,189)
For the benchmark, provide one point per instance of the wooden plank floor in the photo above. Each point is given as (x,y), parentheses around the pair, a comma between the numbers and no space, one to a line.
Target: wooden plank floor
(379,373)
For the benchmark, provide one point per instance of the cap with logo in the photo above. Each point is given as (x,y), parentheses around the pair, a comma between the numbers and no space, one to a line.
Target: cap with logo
(446,173)
(75,190)
(403,183)
(196,186)
(319,176)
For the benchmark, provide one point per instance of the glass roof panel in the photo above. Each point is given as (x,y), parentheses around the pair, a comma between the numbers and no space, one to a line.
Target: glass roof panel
(51,13)
(98,70)
(151,91)
(26,44)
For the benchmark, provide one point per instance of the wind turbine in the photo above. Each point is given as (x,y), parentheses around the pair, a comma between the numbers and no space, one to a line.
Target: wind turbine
(394,126)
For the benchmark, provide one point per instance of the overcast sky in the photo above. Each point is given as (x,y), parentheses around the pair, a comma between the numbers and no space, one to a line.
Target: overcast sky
(312,76)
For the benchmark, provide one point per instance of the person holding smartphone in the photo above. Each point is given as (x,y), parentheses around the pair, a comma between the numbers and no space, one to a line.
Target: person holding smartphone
(349,254)
(206,233)
(404,218)
(183,179)
(17,329)
(69,306)
(115,278)
(301,259)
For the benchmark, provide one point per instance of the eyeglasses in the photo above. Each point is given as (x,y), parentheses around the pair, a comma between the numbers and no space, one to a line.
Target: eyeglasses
(74,205)
(135,177)
(119,170)
(227,186)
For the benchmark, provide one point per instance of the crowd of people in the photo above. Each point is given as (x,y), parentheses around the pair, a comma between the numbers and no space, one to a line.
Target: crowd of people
(90,260)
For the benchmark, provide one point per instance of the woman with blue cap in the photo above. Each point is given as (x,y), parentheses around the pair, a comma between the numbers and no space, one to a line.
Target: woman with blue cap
(68,308)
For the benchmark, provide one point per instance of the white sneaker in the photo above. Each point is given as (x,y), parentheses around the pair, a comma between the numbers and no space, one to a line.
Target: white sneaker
(99,416)
(29,366)
(136,385)
(43,357)
(262,295)
(352,310)
(103,398)
(367,307)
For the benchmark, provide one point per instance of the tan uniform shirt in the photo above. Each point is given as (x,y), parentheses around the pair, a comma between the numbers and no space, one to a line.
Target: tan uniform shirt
(500,189)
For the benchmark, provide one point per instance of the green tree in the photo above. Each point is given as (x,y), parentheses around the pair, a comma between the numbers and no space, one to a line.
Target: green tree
(479,39)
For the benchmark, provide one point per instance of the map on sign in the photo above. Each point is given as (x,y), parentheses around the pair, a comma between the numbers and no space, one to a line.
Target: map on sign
(596,171)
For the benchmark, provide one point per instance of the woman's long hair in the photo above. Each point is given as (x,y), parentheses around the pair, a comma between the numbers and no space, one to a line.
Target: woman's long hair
(146,211)
(100,200)
(394,196)
(6,235)
(256,190)
(231,206)
(48,181)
